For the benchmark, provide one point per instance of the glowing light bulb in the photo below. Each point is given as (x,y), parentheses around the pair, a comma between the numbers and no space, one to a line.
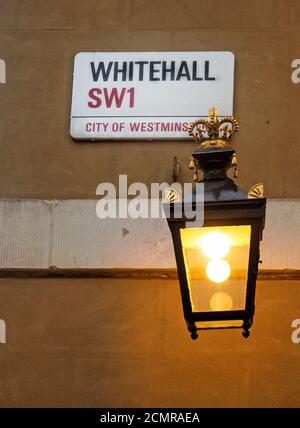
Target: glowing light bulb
(218,270)
(221,301)
(215,244)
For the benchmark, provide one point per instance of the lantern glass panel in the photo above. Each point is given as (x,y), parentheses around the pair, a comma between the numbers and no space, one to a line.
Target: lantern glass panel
(216,263)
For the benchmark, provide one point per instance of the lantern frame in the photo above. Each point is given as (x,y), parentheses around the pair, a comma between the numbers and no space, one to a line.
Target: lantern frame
(225,204)
(226,213)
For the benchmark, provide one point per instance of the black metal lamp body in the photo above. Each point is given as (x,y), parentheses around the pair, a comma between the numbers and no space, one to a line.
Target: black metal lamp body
(217,263)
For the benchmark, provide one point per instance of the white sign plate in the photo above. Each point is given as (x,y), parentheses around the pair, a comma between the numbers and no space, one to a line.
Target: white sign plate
(147,95)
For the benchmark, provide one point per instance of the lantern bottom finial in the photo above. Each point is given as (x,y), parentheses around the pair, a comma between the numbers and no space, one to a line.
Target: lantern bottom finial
(246,332)
(192,328)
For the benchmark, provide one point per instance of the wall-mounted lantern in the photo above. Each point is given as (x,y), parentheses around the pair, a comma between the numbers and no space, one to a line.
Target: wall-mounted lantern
(217,263)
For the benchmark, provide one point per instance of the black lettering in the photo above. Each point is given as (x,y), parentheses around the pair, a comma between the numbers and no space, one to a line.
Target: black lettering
(206,72)
(101,69)
(130,71)
(183,71)
(166,70)
(141,65)
(153,70)
(122,70)
(195,71)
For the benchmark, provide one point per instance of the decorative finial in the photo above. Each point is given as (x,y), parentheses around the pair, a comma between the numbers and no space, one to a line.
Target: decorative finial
(213,132)
(256,191)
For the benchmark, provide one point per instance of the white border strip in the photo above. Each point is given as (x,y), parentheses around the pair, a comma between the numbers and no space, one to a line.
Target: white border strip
(68,234)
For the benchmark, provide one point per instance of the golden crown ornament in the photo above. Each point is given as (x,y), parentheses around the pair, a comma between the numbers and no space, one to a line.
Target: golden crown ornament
(215,154)
(213,132)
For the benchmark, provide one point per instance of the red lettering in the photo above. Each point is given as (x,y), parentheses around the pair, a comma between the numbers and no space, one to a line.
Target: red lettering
(110,97)
(114,96)
(97,100)
(150,126)
(131,97)
(134,126)
(185,126)
(165,127)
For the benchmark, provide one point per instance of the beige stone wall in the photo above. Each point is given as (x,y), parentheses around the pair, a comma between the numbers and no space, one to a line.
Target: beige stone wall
(118,343)
(93,342)
(38,41)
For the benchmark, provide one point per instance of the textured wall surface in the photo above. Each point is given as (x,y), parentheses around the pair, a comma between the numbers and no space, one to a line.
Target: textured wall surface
(38,41)
(114,343)
(118,343)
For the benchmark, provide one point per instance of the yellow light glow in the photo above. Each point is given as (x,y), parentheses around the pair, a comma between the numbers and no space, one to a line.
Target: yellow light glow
(221,301)
(218,270)
(215,244)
